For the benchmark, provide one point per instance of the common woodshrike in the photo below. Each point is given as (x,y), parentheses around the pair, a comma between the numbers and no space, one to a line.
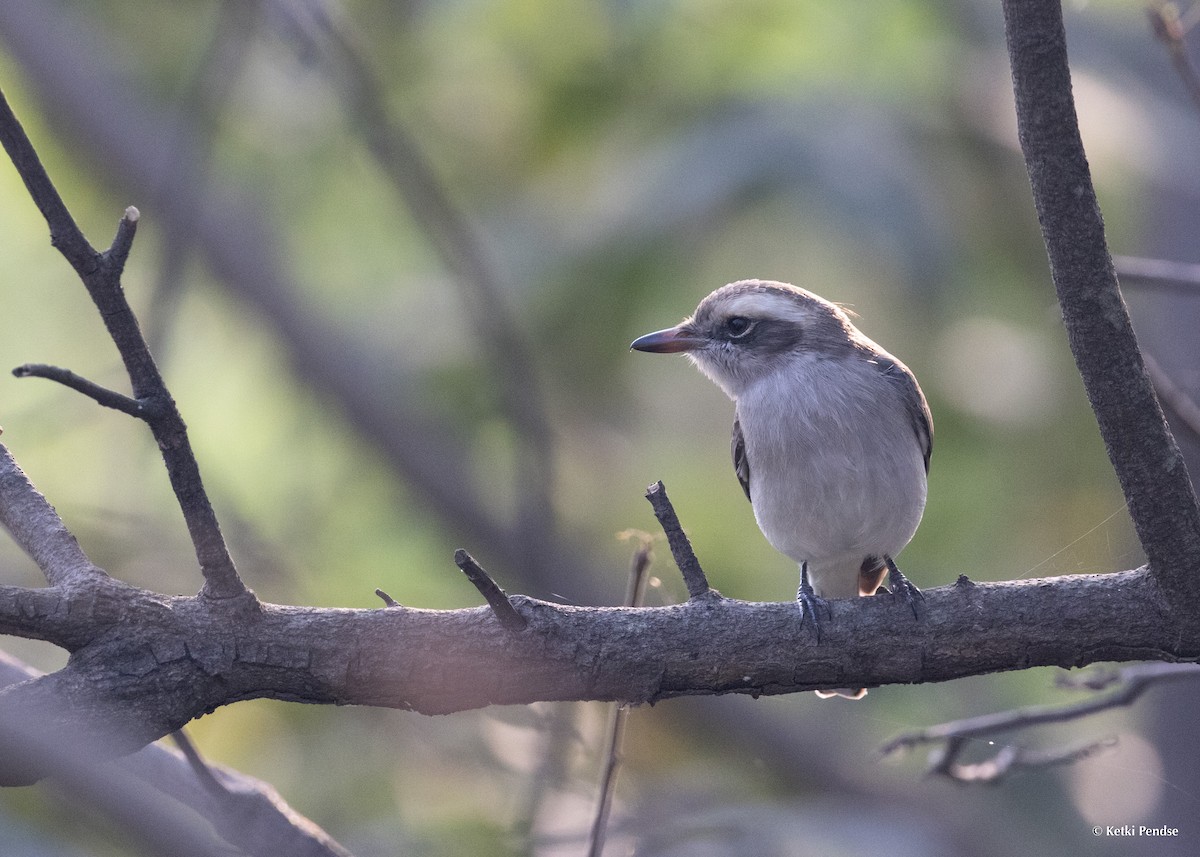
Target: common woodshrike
(831,435)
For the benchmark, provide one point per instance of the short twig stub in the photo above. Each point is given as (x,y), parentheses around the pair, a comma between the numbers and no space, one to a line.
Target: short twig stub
(491,592)
(681,547)
(388,601)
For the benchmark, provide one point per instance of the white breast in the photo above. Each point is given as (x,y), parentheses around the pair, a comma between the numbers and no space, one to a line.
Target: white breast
(836,471)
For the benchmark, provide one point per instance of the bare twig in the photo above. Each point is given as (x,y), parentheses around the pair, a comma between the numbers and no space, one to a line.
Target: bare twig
(619,713)
(1008,760)
(1159,273)
(681,546)
(97,393)
(1140,446)
(491,591)
(1133,681)
(1174,397)
(101,275)
(203,772)
(635,589)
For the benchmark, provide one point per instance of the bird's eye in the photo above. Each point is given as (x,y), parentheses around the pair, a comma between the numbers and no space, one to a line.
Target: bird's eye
(738,326)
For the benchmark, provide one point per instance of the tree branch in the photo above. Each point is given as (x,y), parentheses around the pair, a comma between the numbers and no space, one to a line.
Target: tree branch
(1159,273)
(246,812)
(65,234)
(155,662)
(1008,760)
(1133,681)
(101,275)
(681,547)
(86,97)
(490,590)
(37,529)
(1174,397)
(1139,443)
(97,393)
(1169,29)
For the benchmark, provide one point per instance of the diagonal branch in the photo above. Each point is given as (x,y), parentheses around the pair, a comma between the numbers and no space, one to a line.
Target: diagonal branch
(464,252)
(101,275)
(1174,397)
(496,598)
(1139,443)
(1168,27)
(681,547)
(36,527)
(65,234)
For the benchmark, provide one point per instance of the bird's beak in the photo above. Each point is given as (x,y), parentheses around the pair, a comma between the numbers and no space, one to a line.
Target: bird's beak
(679,338)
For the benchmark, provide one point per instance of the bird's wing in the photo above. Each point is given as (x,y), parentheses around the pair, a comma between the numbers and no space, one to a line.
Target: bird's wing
(741,464)
(918,408)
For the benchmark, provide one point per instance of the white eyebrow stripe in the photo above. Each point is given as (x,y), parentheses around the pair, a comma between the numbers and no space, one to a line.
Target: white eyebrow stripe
(766,305)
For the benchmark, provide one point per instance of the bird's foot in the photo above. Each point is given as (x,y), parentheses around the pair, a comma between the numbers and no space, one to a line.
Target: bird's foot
(902,588)
(810,603)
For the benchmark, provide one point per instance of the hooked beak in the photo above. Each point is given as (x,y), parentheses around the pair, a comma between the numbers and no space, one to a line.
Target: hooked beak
(673,339)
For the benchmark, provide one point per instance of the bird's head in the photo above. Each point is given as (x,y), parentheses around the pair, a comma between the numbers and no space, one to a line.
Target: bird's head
(748,330)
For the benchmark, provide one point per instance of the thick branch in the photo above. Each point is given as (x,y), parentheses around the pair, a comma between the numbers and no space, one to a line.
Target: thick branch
(1143,452)
(163,661)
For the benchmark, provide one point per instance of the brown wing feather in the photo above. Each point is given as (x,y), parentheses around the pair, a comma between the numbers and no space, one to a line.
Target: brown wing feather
(918,410)
(741,465)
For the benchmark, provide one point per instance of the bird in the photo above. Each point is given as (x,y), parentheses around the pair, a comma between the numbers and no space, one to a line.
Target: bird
(831,435)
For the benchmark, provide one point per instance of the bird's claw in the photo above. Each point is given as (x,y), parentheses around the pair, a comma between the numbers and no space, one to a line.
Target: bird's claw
(810,603)
(903,589)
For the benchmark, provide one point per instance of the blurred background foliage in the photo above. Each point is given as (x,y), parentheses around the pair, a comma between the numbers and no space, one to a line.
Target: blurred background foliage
(392,255)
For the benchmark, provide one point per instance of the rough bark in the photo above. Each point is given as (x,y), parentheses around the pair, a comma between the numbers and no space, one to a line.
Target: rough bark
(145,664)
(1140,445)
